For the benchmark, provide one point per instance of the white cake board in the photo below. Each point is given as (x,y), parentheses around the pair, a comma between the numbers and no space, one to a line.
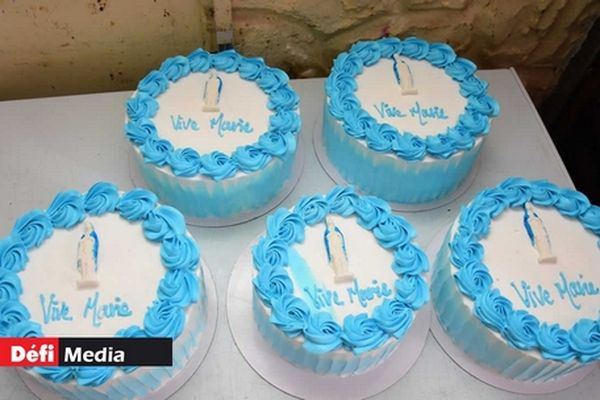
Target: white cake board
(177,381)
(335,176)
(303,383)
(484,374)
(138,181)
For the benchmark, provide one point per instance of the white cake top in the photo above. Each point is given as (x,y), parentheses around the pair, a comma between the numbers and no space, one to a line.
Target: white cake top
(512,260)
(367,262)
(242,117)
(381,96)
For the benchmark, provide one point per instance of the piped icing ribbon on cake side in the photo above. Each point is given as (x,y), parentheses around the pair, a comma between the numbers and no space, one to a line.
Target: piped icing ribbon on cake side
(277,141)
(179,254)
(319,330)
(341,88)
(519,327)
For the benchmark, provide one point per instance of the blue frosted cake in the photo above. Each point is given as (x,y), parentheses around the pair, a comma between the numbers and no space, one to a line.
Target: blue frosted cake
(338,282)
(214,134)
(68,271)
(517,285)
(405,119)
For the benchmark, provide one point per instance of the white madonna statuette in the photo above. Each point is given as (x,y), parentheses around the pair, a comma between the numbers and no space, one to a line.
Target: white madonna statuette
(212,93)
(87,258)
(404,76)
(538,235)
(336,252)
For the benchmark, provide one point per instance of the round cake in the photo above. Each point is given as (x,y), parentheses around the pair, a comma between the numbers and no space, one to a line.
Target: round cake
(405,119)
(103,264)
(338,282)
(214,134)
(516,285)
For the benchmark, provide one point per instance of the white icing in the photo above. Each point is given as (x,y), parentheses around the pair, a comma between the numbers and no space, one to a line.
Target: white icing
(511,257)
(377,83)
(239,99)
(367,261)
(124,256)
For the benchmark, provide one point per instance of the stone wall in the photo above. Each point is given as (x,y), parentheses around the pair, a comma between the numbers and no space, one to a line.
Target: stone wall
(63,47)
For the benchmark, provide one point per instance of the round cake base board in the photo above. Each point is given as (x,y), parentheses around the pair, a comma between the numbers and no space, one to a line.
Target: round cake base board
(335,176)
(177,381)
(303,383)
(138,181)
(484,374)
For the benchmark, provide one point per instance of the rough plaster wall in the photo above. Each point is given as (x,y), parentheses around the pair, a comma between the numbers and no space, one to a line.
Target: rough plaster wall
(56,47)
(61,46)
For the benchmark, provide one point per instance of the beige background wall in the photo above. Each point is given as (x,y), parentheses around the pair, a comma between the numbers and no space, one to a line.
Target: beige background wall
(57,47)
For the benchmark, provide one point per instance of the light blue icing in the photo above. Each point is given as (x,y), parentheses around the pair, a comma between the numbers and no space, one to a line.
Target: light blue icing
(344,106)
(518,327)
(136,204)
(322,333)
(412,290)
(153,84)
(584,338)
(521,330)
(11,312)
(312,209)
(394,317)
(163,221)
(218,166)
(362,333)
(66,210)
(10,285)
(250,158)
(279,140)
(179,251)
(13,254)
(165,317)
(156,151)
(554,343)
(272,282)
(286,226)
(185,162)
(227,61)
(180,287)
(175,68)
(290,314)
(250,68)
(141,106)
(33,228)
(275,261)
(25,329)
(101,198)
(270,252)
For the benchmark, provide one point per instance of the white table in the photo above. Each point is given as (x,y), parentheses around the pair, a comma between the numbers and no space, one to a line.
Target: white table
(53,144)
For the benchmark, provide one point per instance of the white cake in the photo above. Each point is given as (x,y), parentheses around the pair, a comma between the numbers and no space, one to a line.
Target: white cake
(215,134)
(517,285)
(338,282)
(103,264)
